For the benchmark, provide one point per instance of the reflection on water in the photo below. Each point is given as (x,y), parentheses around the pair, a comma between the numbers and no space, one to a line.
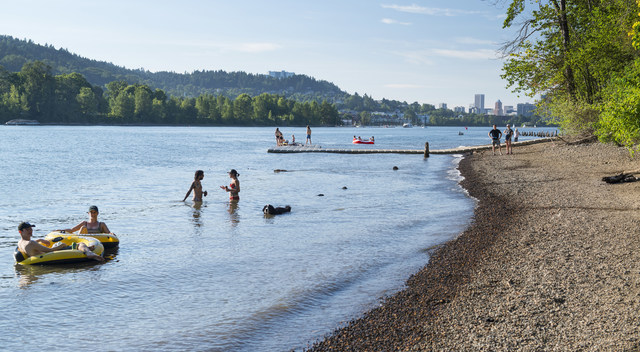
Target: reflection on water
(234,218)
(197,222)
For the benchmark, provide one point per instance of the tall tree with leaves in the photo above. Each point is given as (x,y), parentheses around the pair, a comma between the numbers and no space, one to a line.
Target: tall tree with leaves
(567,51)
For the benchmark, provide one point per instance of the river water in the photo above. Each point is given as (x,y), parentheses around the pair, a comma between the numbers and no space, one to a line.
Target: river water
(218,277)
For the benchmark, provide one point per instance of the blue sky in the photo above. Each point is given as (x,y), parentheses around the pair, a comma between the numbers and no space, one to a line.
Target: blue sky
(428,51)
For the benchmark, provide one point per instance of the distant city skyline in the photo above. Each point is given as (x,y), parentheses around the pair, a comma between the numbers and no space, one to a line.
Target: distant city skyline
(431,52)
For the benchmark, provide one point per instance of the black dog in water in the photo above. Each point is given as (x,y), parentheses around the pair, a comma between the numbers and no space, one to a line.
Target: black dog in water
(271,210)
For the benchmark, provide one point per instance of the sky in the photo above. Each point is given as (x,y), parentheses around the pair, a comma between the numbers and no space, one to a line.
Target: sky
(425,51)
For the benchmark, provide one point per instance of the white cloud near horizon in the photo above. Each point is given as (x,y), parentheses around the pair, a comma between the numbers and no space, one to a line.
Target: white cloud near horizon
(403,86)
(432,11)
(480,54)
(392,21)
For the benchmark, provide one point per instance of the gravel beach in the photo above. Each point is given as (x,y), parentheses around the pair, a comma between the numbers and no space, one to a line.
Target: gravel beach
(551,262)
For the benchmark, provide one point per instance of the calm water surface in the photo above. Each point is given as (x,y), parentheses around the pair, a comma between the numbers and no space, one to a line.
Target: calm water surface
(218,277)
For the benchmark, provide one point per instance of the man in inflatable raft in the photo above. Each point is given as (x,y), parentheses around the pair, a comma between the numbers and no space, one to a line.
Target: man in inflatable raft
(36,247)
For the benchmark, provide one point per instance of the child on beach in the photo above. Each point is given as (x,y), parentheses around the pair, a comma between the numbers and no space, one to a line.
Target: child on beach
(196,187)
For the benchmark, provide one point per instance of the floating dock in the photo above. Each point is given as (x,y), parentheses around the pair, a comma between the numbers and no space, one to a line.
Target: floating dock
(426,151)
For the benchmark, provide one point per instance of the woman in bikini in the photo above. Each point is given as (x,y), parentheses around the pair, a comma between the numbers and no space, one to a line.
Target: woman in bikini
(196,187)
(91,226)
(234,187)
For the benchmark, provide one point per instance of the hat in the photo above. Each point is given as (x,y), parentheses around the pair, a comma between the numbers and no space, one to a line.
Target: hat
(24,225)
(93,208)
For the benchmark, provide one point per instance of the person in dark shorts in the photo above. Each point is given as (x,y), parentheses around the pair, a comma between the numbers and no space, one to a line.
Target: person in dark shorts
(495,135)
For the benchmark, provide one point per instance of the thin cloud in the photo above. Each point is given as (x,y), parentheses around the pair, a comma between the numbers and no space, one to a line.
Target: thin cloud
(420,57)
(480,54)
(255,47)
(403,86)
(474,41)
(431,11)
(392,21)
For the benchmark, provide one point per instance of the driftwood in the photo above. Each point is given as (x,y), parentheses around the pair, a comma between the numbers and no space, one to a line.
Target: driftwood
(620,178)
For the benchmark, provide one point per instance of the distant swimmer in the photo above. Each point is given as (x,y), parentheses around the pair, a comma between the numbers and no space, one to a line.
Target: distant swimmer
(234,187)
(91,226)
(196,187)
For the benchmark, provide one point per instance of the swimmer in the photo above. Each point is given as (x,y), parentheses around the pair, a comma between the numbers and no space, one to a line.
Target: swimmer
(234,187)
(196,186)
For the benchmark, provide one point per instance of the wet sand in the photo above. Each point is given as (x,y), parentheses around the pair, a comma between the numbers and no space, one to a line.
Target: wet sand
(551,262)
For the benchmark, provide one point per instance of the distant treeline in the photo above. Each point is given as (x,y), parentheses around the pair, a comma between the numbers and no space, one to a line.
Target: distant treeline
(35,93)
(204,86)
(15,53)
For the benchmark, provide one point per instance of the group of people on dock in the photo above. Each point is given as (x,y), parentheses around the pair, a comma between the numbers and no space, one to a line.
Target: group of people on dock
(280,141)
(30,247)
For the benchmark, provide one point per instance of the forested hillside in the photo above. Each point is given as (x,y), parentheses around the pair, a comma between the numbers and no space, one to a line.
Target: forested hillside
(14,53)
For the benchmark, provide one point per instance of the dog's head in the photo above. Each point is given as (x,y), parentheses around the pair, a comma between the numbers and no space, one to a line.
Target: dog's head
(268,209)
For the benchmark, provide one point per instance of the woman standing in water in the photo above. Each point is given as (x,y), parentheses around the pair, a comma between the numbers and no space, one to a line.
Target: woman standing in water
(196,187)
(234,187)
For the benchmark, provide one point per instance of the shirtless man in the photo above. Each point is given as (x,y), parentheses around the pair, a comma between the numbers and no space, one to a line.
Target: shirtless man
(308,136)
(36,247)
(196,187)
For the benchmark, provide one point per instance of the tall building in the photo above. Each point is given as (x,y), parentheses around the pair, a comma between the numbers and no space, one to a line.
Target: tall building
(479,102)
(497,109)
(526,109)
(442,106)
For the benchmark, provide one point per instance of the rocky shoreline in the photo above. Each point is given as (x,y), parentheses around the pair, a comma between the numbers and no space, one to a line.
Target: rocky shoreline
(549,263)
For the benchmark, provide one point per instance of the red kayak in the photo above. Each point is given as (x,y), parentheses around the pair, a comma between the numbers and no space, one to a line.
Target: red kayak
(355,141)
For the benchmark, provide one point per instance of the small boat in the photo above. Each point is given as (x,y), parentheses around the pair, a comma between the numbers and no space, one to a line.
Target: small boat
(108,240)
(63,256)
(357,141)
(407,125)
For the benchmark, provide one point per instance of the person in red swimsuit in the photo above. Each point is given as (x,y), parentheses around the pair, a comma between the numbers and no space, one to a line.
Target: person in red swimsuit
(234,187)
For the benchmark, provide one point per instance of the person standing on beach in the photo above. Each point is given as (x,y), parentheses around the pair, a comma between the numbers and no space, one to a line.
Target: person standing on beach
(308,136)
(234,187)
(516,134)
(196,187)
(508,132)
(495,135)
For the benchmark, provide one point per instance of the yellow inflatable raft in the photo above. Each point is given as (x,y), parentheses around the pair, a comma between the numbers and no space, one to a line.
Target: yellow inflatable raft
(62,256)
(108,240)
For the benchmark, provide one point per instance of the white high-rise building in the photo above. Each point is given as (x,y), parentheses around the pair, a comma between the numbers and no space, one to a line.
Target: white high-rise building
(479,102)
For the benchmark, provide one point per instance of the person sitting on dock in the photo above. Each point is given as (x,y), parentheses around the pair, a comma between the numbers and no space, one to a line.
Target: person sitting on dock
(30,247)
(495,135)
